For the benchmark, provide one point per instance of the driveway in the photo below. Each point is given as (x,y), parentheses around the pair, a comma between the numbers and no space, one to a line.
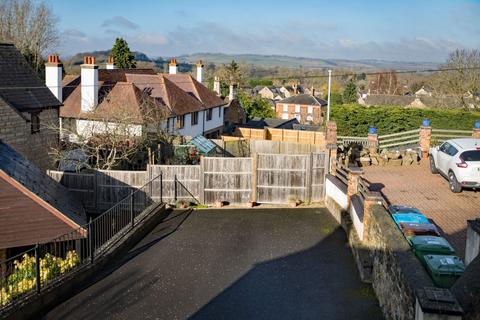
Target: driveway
(233,264)
(416,186)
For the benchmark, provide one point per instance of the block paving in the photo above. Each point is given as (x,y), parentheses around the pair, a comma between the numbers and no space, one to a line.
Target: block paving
(416,186)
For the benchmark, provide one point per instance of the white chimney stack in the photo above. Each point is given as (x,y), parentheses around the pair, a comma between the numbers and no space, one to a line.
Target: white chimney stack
(216,85)
(110,64)
(172,67)
(233,92)
(200,71)
(89,84)
(53,76)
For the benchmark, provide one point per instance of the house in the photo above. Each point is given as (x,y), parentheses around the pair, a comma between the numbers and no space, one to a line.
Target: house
(307,109)
(34,208)
(261,123)
(235,115)
(95,100)
(271,92)
(422,92)
(27,108)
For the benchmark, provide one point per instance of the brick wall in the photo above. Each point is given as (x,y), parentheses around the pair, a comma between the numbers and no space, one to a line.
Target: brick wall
(16,131)
(316,113)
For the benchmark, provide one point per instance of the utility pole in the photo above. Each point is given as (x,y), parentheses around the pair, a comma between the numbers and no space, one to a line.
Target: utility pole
(328,99)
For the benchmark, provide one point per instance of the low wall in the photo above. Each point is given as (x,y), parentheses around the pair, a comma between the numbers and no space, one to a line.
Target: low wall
(385,259)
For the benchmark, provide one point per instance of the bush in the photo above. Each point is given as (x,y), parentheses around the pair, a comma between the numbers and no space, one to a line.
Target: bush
(23,279)
(354,120)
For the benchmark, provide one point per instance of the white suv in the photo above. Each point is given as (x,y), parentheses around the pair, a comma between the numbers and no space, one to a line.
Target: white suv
(458,160)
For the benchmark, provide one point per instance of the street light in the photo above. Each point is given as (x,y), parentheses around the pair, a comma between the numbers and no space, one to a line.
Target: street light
(328,99)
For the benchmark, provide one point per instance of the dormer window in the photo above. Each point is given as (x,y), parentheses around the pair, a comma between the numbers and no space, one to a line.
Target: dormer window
(35,123)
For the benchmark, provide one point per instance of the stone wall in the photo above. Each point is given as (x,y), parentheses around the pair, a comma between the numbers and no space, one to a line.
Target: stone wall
(396,272)
(16,131)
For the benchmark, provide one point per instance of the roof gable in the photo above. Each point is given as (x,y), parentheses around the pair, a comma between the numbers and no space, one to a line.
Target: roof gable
(304,99)
(21,87)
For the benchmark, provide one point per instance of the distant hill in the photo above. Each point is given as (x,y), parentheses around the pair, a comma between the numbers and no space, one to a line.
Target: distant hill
(296,62)
(187,62)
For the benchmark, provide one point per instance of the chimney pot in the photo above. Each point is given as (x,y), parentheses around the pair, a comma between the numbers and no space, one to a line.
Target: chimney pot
(216,86)
(200,71)
(53,76)
(172,69)
(110,63)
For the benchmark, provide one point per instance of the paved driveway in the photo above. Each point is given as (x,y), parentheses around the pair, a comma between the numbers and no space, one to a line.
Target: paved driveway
(233,264)
(416,186)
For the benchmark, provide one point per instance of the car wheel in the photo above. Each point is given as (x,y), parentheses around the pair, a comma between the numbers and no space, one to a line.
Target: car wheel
(433,168)
(455,187)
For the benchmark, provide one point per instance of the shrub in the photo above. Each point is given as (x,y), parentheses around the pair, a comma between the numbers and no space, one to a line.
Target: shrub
(354,120)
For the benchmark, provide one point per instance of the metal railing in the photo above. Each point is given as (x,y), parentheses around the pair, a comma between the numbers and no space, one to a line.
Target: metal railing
(410,137)
(37,269)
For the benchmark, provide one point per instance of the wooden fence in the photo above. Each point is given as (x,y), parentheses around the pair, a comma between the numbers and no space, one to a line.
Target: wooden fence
(285,135)
(264,178)
(240,147)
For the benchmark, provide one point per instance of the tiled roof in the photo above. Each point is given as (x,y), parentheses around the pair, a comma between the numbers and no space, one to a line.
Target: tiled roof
(181,94)
(269,123)
(304,99)
(167,93)
(20,87)
(187,83)
(33,206)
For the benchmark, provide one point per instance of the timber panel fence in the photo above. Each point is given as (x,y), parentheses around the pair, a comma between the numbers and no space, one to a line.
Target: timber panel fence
(268,178)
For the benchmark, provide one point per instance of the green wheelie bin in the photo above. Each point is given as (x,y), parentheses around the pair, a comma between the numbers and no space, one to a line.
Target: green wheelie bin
(423,245)
(444,269)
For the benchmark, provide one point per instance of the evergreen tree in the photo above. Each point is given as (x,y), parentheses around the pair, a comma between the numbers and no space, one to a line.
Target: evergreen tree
(122,56)
(350,92)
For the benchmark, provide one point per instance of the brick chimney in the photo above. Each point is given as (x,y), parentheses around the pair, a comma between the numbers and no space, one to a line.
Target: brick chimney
(216,86)
(53,76)
(89,84)
(200,71)
(110,65)
(172,67)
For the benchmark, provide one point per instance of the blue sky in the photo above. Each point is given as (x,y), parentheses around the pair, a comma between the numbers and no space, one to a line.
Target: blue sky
(404,30)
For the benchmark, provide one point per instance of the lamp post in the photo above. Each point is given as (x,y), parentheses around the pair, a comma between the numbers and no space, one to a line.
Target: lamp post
(328,97)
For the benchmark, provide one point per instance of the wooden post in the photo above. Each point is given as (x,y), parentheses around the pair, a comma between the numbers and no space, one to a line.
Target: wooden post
(202,180)
(254,177)
(37,269)
(308,178)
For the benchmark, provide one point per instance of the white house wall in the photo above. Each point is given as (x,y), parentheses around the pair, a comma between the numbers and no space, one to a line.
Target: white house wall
(86,127)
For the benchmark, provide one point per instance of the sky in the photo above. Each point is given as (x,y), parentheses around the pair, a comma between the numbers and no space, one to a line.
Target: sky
(406,30)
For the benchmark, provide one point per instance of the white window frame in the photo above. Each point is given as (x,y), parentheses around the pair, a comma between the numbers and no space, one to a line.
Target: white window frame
(297,108)
(285,108)
(285,116)
(310,109)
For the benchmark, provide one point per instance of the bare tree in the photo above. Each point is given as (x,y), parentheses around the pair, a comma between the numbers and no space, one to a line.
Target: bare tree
(116,133)
(464,79)
(31,26)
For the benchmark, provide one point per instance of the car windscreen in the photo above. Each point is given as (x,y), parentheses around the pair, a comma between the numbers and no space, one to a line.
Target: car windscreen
(472,155)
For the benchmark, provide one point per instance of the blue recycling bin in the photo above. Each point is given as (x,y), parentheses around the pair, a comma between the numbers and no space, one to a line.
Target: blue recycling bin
(399,209)
(409,218)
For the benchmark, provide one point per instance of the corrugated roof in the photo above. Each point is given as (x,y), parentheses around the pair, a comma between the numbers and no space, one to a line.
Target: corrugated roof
(15,72)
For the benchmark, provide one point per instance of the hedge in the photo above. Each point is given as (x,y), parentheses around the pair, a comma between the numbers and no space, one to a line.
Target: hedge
(354,120)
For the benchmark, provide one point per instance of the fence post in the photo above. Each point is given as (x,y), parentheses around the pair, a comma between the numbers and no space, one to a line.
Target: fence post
(254,177)
(372,139)
(37,268)
(175,189)
(425,137)
(161,187)
(132,209)
(202,180)
(91,240)
(308,180)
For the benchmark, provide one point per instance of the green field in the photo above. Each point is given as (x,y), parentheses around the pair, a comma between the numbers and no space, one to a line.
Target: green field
(354,120)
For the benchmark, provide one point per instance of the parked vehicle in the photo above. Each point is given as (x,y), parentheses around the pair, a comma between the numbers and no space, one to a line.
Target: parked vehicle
(458,160)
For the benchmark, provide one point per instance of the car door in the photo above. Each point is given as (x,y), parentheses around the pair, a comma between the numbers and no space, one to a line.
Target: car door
(443,157)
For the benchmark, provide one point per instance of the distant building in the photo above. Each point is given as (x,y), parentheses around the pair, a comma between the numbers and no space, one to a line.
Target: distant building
(307,109)
(279,92)
(423,93)
(27,109)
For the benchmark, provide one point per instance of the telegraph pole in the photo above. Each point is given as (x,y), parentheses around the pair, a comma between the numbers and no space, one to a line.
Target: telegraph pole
(328,99)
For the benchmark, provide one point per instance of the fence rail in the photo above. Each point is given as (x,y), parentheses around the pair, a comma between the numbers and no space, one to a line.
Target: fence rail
(440,135)
(410,137)
(39,268)
(346,140)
